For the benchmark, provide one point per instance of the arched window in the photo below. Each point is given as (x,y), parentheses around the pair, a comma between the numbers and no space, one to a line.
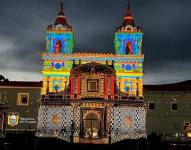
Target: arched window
(56,88)
(127,89)
(92,70)
(129,48)
(58,47)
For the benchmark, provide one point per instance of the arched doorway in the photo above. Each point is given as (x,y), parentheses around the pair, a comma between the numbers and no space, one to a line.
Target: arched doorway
(91,124)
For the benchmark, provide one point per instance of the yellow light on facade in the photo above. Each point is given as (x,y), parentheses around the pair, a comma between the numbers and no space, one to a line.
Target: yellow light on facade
(189,134)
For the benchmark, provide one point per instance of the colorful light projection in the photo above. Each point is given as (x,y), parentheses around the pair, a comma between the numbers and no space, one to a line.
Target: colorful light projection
(126,71)
(95,57)
(53,119)
(59,41)
(57,73)
(129,74)
(128,67)
(62,42)
(128,43)
(127,123)
(127,60)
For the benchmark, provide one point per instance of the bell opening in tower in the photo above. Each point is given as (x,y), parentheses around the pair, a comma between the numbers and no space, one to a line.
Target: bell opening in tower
(129,48)
(58,47)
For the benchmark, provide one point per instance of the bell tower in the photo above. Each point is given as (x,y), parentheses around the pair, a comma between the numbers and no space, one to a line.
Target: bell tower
(128,37)
(128,45)
(59,37)
(59,43)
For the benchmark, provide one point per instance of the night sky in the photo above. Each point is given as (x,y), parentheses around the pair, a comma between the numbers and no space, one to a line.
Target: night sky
(166,25)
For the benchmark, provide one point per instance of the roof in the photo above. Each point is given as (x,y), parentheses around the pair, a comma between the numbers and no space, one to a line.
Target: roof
(181,86)
(61,18)
(21,84)
(128,19)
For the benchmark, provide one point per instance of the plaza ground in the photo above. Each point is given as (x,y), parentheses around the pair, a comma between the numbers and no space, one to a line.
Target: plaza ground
(29,141)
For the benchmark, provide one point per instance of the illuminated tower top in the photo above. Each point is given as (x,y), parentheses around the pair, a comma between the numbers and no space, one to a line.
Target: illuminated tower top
(128,22)
(128,19)
(59,36)
(61,18)
(128,37)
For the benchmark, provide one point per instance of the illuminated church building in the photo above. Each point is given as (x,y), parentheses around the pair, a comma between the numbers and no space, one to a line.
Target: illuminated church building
(92,96)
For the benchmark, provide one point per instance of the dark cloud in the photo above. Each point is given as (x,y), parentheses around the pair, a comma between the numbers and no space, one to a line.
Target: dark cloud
(166,25)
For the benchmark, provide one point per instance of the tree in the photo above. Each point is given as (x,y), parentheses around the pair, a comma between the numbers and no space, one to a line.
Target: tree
(3,79)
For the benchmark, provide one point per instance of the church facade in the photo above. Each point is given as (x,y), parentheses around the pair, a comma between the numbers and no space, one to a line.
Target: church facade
(92,97)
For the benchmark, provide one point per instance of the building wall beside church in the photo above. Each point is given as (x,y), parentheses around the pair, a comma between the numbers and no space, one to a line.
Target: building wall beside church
(171,111)
(20,116)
